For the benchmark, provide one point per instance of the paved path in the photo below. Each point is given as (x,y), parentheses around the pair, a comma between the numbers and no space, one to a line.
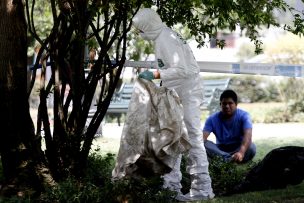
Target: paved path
(260,130)
(280,130)
(112,132)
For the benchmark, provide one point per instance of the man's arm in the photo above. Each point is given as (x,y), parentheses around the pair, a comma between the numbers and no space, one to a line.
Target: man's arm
(239,156)
(205,135)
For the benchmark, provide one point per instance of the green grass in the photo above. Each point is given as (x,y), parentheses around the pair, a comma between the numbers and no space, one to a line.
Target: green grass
(106,145)
(266,145)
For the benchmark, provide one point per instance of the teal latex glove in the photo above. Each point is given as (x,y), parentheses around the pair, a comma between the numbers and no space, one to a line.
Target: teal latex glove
(148,75)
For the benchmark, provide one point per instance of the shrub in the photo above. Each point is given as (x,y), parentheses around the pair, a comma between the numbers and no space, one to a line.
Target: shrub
(255,89)
(99,169)
(225,176)
(296,106)
(97,186)
(74,191)
(277,116)
(294,112)
(142,190)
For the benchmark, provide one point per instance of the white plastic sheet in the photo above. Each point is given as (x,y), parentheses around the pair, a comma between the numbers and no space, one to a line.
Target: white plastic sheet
(154,132)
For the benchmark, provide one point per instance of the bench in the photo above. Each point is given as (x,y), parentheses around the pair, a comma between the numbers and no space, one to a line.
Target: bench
(121,99)
(119,103)
(212,91)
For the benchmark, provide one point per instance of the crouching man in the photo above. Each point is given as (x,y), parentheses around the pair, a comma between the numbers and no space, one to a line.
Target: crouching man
(232,128)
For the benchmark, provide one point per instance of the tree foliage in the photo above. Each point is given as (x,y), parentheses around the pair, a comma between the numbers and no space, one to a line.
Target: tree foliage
(205,19)
(287,49)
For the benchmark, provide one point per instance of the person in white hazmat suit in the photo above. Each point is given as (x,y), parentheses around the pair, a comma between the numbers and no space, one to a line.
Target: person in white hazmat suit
(178,70)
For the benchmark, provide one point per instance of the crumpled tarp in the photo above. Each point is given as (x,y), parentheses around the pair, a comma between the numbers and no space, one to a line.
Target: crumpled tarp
(154,133)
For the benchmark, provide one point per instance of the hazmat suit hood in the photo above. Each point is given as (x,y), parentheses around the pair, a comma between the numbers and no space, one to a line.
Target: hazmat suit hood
(149,22)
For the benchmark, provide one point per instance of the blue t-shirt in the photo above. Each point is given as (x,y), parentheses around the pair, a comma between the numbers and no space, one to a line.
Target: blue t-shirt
(228,132)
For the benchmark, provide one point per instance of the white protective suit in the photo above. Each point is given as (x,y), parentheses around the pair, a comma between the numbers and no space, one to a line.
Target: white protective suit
(180,71)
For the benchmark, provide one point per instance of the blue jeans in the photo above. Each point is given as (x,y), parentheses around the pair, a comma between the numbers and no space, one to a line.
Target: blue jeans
(226,151)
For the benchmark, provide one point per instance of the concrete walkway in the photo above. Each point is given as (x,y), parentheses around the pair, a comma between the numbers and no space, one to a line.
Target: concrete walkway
(260,130)
(280,130)
(110,140)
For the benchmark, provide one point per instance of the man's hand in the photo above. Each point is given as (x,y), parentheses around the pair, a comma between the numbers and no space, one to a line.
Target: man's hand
(238,157)
(148,75)
(156,74)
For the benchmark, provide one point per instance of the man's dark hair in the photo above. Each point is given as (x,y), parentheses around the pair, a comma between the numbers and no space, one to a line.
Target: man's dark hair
(229,94)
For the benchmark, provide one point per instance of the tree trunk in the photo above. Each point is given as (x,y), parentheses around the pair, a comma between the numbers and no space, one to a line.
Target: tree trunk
(20,149)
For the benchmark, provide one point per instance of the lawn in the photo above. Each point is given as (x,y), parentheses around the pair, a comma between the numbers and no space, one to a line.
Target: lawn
(258,111)
(266,140)
(292,194)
